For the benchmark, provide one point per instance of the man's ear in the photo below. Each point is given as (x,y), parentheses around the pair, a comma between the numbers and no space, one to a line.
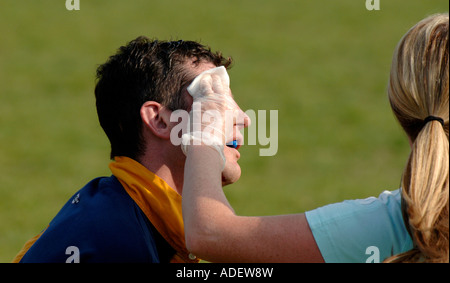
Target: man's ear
(156,118)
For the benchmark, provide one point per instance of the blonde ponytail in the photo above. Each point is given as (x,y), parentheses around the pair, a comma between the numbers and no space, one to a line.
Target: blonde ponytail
(418,89)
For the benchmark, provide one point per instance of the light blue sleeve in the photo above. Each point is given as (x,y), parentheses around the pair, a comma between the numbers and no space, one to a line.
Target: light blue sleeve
(364,230)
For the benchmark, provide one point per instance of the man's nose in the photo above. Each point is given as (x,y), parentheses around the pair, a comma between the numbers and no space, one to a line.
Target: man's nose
(247,120)
(242,120)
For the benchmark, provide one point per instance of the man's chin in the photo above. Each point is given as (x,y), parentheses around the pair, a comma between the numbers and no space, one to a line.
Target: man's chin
(231,175)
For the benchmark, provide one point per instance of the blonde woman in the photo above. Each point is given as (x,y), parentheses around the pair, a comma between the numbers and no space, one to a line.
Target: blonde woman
(406,225)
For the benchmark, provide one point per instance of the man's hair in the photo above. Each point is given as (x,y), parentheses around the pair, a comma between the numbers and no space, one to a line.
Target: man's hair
(144,70)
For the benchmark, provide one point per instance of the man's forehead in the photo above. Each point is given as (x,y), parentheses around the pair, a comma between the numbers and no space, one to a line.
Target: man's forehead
(199,68)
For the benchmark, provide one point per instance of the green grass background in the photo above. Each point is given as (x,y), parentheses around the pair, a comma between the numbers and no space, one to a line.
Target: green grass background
(322,64)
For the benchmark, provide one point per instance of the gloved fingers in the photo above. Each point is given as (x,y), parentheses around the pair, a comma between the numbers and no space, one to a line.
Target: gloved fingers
(214,112)
(203,88)
(219,86)
(211,82)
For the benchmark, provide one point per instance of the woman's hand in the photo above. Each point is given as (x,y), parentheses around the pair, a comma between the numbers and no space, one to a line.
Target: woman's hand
(213,112)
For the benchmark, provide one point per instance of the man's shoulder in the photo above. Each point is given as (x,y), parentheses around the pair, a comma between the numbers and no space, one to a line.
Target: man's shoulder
(344,231)
(99,201)
(102,223)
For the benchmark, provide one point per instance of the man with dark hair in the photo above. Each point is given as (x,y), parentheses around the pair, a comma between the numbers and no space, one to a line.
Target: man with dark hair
(135,214)
(143,71)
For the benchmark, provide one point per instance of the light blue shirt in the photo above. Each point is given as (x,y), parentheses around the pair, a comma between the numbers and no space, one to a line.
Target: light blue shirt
(363,230)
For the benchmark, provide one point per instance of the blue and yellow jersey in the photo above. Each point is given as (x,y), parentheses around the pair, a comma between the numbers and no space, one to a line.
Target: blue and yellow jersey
(132,216)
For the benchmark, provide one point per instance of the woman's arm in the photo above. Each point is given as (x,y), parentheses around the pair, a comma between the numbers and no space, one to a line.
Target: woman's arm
(215,233)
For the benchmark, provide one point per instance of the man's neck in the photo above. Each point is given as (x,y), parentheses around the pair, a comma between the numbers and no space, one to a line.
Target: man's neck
(171,174)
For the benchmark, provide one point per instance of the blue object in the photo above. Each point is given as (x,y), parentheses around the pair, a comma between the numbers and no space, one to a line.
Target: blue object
(232,144)
(349,231)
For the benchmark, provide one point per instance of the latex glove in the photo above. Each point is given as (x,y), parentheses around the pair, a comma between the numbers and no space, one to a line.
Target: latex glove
(213,111)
